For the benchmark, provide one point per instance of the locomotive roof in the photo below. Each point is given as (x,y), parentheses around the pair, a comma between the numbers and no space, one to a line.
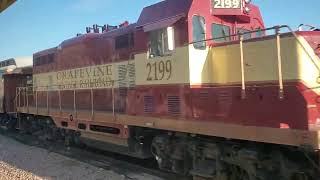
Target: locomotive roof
(45,52)
(91,36)
(163,10)
(78,39)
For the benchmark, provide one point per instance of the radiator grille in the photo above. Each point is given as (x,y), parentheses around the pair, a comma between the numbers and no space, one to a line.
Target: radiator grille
(224,99)
(132,76)
(148,104)
(126,77)
(204,94)
(174,105)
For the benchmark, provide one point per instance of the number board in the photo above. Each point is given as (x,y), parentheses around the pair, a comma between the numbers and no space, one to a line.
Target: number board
(159,70)
(226,4)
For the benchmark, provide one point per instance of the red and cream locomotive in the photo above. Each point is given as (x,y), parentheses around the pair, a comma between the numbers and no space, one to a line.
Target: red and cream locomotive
(200,85)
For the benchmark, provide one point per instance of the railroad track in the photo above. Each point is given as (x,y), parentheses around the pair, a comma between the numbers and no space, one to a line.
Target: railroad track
(121,164)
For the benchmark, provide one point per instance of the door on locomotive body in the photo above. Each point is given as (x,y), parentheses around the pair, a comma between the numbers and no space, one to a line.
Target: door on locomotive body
(204,32)
(160,55)
(198,50)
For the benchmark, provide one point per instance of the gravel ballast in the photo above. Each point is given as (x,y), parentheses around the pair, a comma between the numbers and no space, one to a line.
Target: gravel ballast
(19,161)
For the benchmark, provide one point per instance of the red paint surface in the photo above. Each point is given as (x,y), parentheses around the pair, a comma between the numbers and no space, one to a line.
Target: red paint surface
(261,107)
(313,38)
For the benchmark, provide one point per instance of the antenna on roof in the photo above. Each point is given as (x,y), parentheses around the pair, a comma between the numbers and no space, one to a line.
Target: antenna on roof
(95,28)
(110,28)
(104,28)
(88,29)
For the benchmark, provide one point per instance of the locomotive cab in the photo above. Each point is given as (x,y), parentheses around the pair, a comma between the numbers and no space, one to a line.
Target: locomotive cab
(218,22)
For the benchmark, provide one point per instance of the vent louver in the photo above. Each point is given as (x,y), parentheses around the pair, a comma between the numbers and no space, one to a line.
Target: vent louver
(148,104)
(174,105)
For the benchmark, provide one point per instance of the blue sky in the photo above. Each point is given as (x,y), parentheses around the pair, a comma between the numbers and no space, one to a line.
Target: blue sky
(29,26)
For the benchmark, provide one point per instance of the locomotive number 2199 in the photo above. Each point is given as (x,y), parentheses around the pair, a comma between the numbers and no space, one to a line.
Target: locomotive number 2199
(225,4)
(159,70)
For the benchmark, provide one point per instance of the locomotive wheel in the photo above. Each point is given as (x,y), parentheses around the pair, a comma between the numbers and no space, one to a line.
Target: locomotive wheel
(201,178)
(237,173)
(11,123)
(222,177)
(67,140)
(300,176)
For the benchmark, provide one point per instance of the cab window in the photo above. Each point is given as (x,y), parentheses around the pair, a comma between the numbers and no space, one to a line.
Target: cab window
(259,32)
(161,42)
(43,60)
(245,36)
(124,41)
(198,32)
(220,33)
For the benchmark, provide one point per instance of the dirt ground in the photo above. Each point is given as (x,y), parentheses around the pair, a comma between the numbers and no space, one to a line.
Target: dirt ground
(22,162)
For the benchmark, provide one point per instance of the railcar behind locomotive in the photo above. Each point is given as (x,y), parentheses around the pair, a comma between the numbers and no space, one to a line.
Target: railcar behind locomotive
(197,84)
(14,72)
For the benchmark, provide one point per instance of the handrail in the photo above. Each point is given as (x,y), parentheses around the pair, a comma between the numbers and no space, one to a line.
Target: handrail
(19,90)
(310,56)
(112,82)
(74,103)
(27,100)
(48,100)
(16,99)
(239,34)
(37,102)
(60,106)
(92,104)
(19,100)
(243,85)
(263,30)
(113,100)
(279,58)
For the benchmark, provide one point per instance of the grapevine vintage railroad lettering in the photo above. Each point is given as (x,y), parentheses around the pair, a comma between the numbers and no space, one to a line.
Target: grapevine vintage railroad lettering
(88,72)
(88,77)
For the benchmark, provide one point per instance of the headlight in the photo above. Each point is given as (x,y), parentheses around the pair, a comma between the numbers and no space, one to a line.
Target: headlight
(247,9)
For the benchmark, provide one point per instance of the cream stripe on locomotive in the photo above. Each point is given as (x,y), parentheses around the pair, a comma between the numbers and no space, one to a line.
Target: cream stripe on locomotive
(216,65)
(171,69)
(222,65)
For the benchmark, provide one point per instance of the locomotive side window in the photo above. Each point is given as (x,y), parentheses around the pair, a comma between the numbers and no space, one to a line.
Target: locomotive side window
(199,32)
(124,41)
(220,33)
(161,42)
(42,60)
(259,32)
(245,36)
